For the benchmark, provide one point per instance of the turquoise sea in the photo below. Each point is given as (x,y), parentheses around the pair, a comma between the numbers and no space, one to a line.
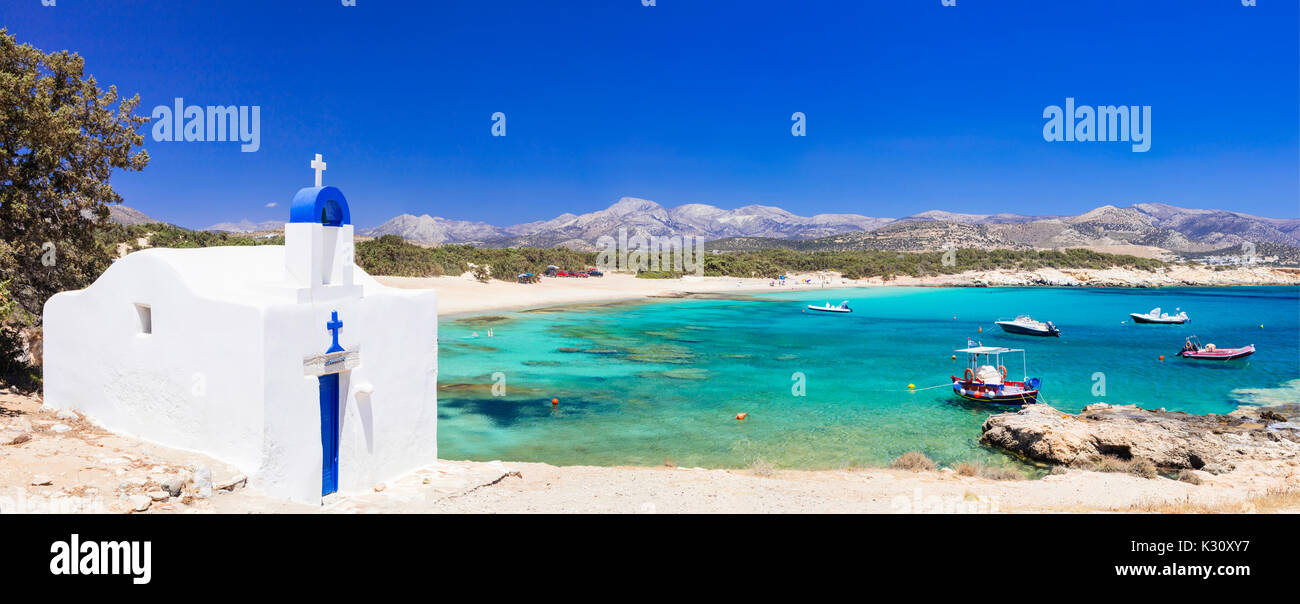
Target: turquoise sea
(648,383)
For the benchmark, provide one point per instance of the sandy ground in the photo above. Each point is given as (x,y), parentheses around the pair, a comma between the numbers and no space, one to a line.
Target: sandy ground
(88,469)
(464,295)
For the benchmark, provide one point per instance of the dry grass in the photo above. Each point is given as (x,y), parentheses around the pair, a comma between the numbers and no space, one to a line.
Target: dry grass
(1271,502)
(967,468)
(915,461)
(1143,468)
(1188,476)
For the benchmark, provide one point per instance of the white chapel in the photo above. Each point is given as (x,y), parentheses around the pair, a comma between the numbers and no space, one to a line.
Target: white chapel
(288,362)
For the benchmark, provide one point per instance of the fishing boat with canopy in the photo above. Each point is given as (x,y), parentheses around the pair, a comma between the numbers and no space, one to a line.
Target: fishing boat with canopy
(985,379)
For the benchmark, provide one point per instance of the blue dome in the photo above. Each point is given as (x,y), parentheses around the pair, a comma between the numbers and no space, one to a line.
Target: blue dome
(320,205)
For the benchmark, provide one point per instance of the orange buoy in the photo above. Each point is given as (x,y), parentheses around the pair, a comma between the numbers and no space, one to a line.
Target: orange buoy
(741,416)
(954,357)
(555,401)
(1162,357)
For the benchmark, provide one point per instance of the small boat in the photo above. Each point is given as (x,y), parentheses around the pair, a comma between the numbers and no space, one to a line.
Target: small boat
(1025,325)
(986,381)
(1155,316)
(842,307)
(1192,349)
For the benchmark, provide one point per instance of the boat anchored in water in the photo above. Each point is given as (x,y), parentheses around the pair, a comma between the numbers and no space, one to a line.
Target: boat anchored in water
(1155,316)
(986,381)
(1192,349)
(842,308)
(1025,325)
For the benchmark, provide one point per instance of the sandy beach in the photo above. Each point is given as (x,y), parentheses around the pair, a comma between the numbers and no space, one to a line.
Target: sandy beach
(65,463)
(464,295)
(83,468)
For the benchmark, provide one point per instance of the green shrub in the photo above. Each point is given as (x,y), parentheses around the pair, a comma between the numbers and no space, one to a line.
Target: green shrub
(658,275)
(15,373)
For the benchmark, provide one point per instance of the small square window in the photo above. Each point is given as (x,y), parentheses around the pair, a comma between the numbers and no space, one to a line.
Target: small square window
(145,315)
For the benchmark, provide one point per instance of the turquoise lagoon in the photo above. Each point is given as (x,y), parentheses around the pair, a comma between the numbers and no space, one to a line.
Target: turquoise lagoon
(648,383)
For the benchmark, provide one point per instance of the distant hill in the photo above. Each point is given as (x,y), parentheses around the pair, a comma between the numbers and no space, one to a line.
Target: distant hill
(942,216)
(121,214)
(1221,227)
(247,226)
(437,230)
(1150,225)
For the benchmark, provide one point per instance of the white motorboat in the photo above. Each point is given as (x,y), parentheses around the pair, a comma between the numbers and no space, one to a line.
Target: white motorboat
(843,307)
(1155,316)
(1025,325)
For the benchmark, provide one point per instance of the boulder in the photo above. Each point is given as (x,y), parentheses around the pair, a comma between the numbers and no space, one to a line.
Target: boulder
(232,484)
(138,503)
(14,437)
(173,486)
(202,480)
(1213,443)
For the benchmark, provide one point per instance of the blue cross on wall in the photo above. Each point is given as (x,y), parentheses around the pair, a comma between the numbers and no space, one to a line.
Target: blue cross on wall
(334,326)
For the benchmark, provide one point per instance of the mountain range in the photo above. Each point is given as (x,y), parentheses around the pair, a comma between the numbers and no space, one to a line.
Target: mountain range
(1148,224)
(757,226)
(638,216)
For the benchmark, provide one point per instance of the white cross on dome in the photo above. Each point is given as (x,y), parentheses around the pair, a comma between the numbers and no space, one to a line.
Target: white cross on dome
(318,165)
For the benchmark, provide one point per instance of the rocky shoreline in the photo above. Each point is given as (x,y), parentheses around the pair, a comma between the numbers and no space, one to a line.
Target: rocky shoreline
(1174,276)
(1261,438)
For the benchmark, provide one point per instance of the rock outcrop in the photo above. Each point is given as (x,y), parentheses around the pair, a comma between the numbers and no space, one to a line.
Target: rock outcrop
(1173,276)
(1213,443)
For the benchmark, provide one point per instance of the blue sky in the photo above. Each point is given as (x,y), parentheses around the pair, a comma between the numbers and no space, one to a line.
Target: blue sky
(910,105)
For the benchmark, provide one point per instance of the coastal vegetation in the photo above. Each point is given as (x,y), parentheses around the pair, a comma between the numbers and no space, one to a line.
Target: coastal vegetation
(860,264)
(390,255)
(393,256)
(160,234)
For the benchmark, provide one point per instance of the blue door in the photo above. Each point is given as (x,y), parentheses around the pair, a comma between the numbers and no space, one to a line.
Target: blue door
(329,433)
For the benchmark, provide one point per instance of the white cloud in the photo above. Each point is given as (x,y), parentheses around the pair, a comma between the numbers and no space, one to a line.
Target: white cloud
(272,204)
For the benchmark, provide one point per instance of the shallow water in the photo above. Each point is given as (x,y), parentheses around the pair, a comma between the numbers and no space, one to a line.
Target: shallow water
(648,383)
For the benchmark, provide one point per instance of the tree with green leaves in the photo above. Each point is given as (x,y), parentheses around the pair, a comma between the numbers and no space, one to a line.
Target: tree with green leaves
(61,138)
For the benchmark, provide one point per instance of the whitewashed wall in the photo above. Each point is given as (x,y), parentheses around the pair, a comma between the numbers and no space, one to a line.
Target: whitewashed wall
(222,371)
